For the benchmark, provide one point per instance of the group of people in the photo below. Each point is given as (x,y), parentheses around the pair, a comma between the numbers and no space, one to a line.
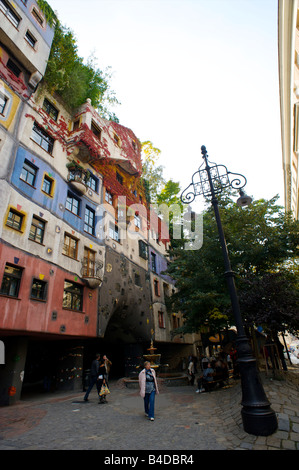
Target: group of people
(148,384)
(99,373)
(211,369)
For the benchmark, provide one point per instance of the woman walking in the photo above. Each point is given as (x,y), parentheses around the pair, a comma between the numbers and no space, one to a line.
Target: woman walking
(102,380)
(148,389)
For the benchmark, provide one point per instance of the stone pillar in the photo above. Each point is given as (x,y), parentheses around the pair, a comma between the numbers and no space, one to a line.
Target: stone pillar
(12,371)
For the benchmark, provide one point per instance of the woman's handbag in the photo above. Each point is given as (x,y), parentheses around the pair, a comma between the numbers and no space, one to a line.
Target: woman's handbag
(104,390)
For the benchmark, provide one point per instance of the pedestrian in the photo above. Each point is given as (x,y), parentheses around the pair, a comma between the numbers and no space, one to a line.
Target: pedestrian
(102,377)
(206,377)
(108,365)
(148,389)
(191,374)
(94,373)
(102,380)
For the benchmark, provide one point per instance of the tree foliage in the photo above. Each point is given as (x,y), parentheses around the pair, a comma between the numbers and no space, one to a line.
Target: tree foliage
(68,75)
(151,173)
(261,240)
(272,302)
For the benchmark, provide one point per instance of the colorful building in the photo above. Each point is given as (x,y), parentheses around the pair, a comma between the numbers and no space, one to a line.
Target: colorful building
(81,270)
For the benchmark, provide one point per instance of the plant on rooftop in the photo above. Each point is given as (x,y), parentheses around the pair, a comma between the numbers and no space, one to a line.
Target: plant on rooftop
(71,78)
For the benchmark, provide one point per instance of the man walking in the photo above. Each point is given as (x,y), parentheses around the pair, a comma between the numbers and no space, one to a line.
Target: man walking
(94,373)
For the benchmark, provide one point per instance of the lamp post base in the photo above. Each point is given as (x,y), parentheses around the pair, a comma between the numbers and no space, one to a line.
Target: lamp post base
(257,415)
(259,422)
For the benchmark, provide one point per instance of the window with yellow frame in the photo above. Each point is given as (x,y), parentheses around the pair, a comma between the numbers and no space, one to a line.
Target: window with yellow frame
(15,219)
(48,185)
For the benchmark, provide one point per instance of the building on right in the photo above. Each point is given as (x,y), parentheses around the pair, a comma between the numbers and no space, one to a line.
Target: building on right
(288,61)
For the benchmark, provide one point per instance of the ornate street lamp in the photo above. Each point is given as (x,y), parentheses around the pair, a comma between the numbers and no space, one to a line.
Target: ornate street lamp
(258,417)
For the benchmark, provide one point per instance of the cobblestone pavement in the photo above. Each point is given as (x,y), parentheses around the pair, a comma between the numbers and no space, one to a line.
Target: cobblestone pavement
(184,420)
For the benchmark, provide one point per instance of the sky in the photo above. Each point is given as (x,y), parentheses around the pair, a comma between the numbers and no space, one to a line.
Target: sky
(190,73)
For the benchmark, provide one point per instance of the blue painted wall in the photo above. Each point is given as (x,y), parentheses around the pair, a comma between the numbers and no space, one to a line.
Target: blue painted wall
(55,204)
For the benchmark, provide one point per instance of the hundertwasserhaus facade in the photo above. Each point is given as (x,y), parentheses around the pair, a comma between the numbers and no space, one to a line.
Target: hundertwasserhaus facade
(82,258)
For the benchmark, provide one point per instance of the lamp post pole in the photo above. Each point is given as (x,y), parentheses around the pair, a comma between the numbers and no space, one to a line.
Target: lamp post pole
(257,416)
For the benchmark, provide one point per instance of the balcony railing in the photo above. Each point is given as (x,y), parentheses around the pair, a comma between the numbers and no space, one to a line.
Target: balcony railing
(78,178)
(91,272)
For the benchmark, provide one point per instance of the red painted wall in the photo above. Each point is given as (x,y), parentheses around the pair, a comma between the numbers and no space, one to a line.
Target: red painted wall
(25,314)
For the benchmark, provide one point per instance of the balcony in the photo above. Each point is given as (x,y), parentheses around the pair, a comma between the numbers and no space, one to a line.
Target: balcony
(91,272)
(78,177)
(86,145)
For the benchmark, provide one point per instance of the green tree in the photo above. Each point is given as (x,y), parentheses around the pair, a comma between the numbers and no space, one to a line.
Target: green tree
(272,302)
(67,74)
(260,238)
(151,173)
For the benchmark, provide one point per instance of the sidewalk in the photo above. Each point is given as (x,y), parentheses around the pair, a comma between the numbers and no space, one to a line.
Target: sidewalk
(184,420)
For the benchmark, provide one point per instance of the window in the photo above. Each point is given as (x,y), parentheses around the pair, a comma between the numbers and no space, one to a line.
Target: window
(28,173)
(119,178)
(96,130)
(89,263)
(76,124)
(166,290)
(9,12)
(3,103)
(38,289)
(175,321)
(37,16)
(161,319)
(143,249)
(108,197)
(72,296)
(70,246)
(37,230)
(50,109)
(114,232)
(72,203)
(15,219)
(89,221)
(92,183)
(153,262)
(30,39)
(156,287)
(42,138)
(11,280)
(48,185)
(116,139)
(137,221)
(13,67)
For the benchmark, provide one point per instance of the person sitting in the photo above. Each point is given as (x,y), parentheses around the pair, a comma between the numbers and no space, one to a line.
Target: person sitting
(221,371)
(207,376)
